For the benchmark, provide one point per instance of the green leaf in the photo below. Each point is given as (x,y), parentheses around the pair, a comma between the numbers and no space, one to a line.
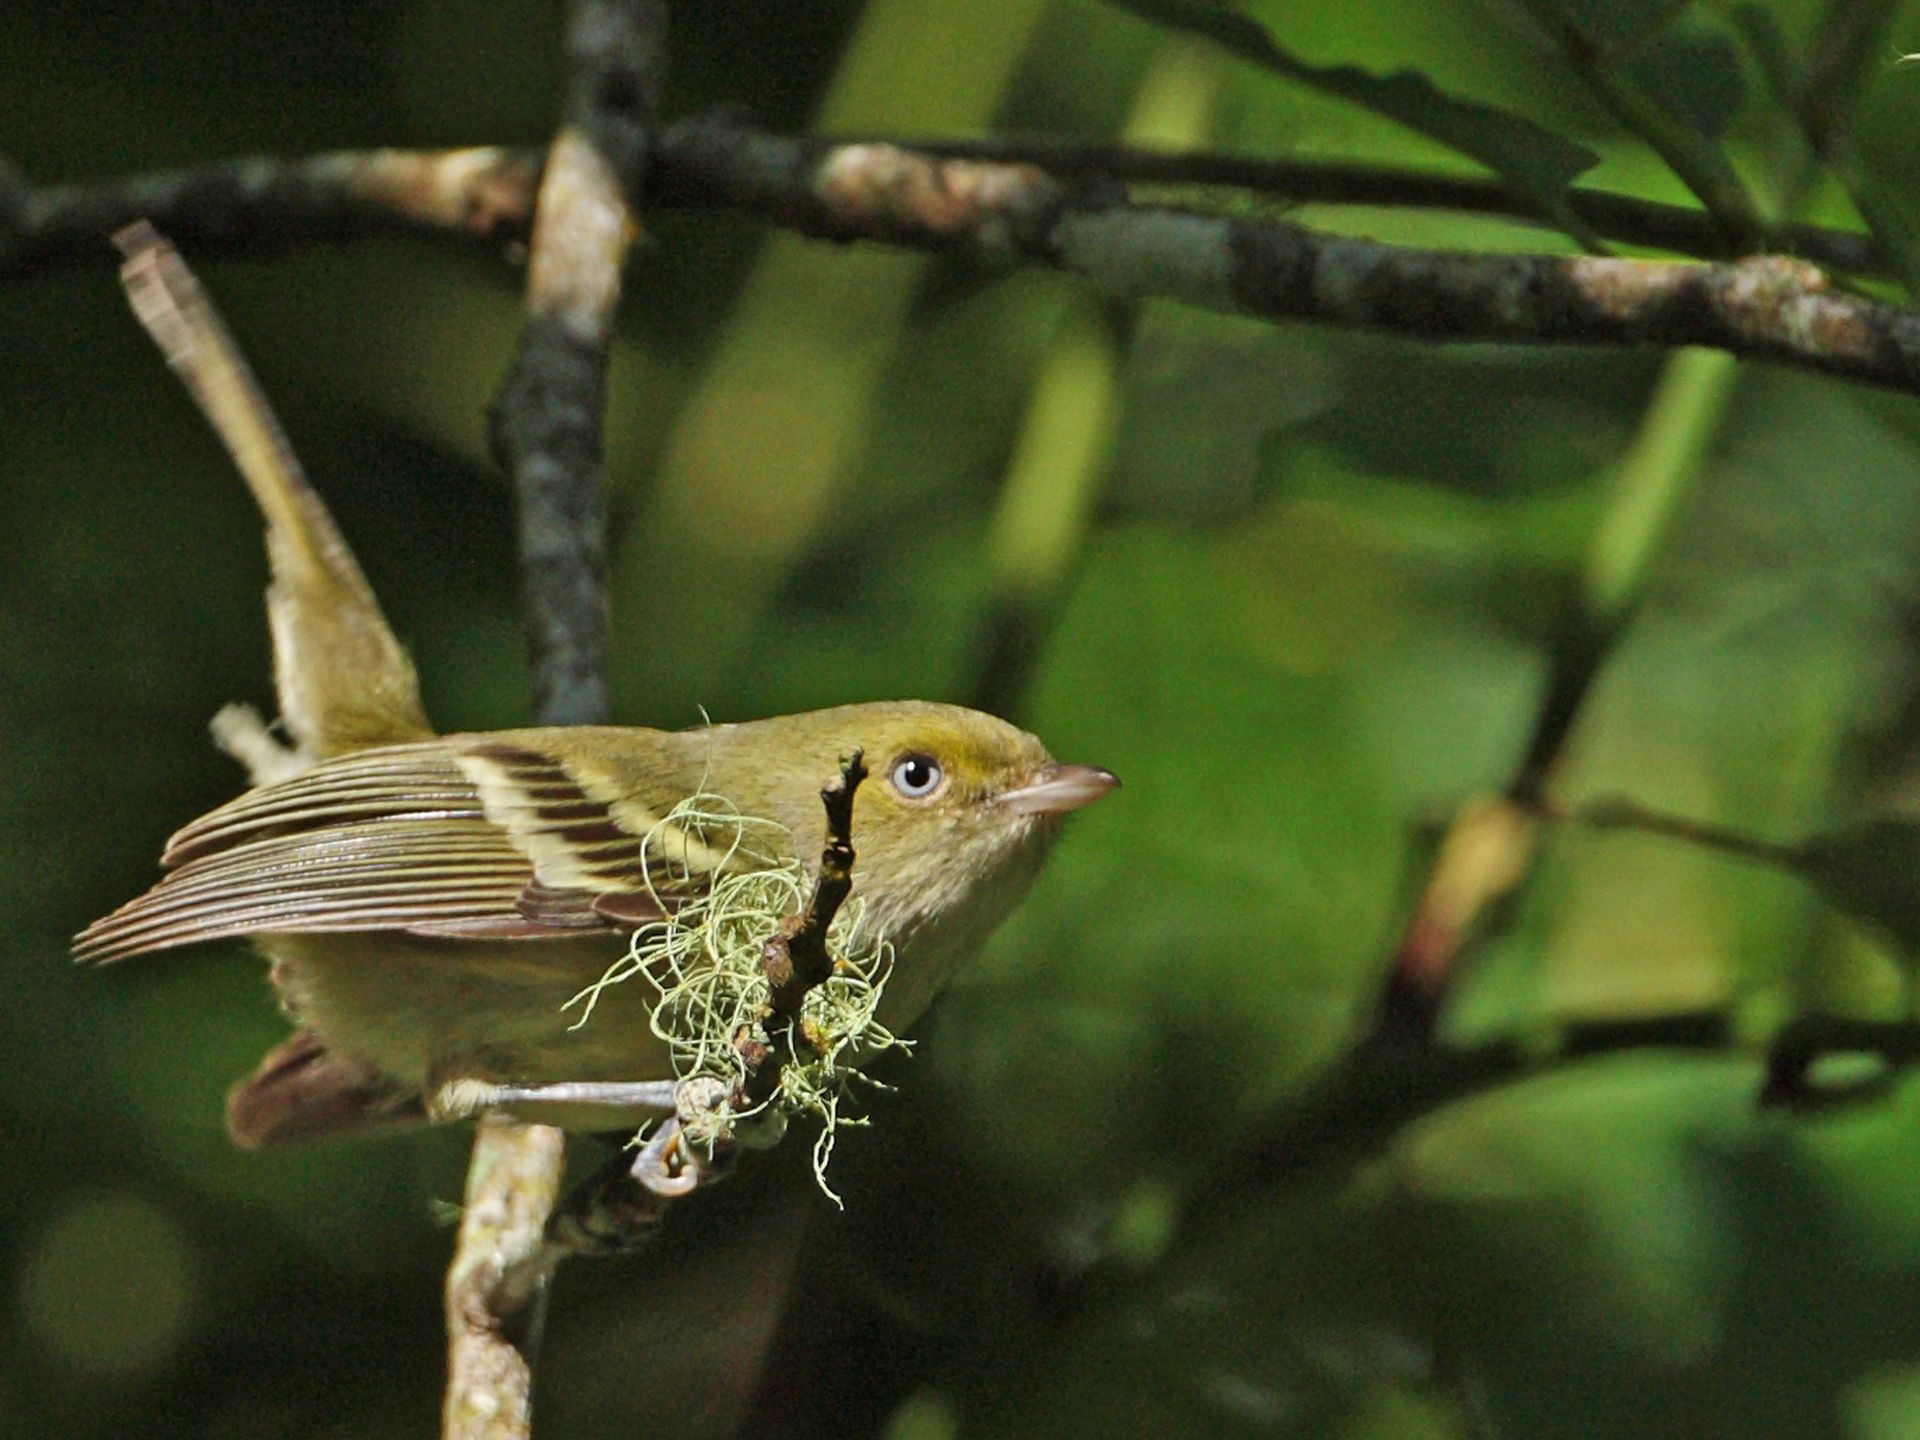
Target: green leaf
(1869,868)
(1866,868)
(1695,70)
(1531,158)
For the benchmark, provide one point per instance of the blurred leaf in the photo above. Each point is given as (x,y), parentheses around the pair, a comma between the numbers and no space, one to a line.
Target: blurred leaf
(1866,868)
(1695,69)
(1671,48)
(1532,158)
(1870,869)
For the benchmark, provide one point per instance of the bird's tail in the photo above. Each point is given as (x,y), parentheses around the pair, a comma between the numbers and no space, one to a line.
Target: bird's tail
(344,680)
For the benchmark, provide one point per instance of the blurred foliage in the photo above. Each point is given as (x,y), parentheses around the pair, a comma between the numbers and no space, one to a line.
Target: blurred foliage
(1302,601)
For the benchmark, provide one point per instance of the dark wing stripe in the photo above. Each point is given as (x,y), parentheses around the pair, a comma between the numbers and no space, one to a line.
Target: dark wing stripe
(562,813)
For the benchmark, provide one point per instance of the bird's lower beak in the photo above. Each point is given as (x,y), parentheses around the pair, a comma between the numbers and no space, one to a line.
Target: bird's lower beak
(1056,789)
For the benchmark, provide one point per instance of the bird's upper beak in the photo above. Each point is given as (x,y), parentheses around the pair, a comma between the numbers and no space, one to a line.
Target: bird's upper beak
(1056,789)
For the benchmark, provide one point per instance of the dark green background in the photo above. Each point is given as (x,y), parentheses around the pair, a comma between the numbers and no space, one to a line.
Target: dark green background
(1310,612)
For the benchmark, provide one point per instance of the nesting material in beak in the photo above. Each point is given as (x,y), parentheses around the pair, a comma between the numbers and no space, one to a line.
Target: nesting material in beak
(1056,789)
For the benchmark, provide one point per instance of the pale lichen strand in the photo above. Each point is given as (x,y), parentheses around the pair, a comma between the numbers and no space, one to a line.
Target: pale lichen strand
(706,963)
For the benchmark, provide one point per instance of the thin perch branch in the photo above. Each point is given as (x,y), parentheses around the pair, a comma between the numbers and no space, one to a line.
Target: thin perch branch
(546,433)
(796,958)
(512,1180)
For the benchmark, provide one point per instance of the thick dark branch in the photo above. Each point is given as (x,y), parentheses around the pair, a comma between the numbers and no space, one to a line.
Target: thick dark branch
(1765,308)
(547,417)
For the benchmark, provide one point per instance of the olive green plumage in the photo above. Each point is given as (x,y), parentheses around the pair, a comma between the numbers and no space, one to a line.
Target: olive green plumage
(430,903)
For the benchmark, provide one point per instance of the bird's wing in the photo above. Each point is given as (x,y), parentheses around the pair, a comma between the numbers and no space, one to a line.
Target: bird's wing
(470,837)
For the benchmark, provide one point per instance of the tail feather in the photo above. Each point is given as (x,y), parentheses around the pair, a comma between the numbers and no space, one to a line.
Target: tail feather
(344,680)
(304,1091)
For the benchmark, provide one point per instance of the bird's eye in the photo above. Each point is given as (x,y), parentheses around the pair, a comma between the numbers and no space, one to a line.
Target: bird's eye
(916,776)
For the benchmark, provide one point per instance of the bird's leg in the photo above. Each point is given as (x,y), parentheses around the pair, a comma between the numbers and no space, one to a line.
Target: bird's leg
(666,1164)
(620,1094)
(457,1099)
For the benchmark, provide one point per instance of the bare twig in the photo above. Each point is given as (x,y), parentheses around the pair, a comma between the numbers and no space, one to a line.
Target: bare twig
(796,958)
(262,205)
(546,432)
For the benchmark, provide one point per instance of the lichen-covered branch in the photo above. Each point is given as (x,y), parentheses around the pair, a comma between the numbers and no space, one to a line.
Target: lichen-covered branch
(546,433)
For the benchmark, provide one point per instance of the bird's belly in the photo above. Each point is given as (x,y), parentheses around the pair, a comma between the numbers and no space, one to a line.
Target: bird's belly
(426,1012)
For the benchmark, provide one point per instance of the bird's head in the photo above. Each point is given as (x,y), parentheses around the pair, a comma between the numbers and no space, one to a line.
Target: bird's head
(949,828)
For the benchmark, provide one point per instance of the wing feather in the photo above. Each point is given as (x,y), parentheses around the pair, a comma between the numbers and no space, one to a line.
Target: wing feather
(462,838)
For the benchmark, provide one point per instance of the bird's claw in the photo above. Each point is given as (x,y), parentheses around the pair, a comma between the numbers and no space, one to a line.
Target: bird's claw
(666,1164)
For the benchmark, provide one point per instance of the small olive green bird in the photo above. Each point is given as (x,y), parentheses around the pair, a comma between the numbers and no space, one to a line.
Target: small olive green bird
(429,903)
